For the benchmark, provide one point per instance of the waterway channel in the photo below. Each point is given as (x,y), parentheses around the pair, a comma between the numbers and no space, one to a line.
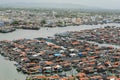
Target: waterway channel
(8,70)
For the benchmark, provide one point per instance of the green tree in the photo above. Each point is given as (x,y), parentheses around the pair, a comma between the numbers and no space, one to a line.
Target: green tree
(15,23)
(43,22)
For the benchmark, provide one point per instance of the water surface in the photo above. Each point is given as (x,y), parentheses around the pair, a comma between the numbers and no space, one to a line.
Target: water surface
(8,70)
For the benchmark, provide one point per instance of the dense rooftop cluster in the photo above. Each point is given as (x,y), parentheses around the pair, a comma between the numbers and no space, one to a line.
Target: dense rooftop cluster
(109,35)
(36,18)
(54,57)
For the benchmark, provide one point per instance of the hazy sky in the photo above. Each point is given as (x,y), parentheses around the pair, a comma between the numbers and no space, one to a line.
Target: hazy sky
(110,4)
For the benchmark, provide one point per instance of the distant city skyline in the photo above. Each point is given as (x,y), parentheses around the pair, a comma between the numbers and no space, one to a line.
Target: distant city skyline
(106,4)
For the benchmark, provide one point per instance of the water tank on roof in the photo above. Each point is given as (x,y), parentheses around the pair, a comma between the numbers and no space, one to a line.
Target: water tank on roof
(80,54)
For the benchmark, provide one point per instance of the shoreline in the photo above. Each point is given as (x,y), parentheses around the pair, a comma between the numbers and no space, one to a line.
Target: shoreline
(10,29)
